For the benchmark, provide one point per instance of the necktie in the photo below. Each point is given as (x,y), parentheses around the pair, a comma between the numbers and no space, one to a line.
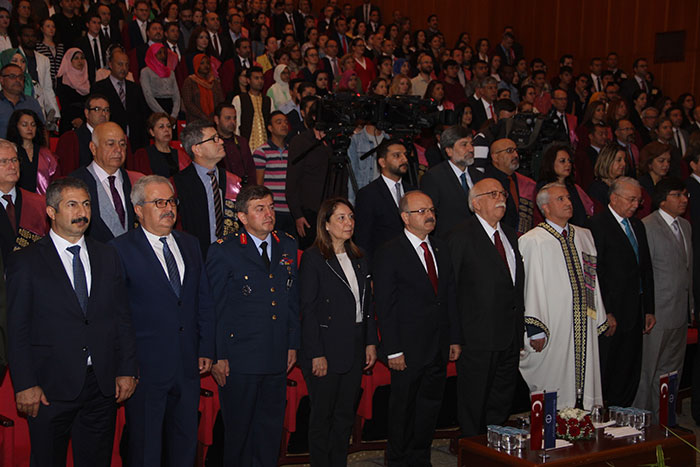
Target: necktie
(218,212)
(679,140)
(215,40)
(493,114)
(117,200)
(334,65)
(79,280)
(430,265)
(175,51)
(96,53)
(105,31)
(514,191)
(122,93)
(600,84)
(345,47)
(397,187)
(171,264)
(11,213)
(564,233)
(500,248)
(631,238)
(263,253)
(563,122)
(677,231)
(463,179)
(144,37)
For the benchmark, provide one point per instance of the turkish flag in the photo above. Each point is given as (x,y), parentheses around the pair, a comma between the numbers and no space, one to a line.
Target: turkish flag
(536,420)
(663,400)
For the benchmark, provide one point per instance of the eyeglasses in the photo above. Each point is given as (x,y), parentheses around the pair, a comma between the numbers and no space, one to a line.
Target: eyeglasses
(508,150)
(12,160)
(13,76)
(216,138)
(161,203)
(494,194)
(104,110)
(685,194)
(422,211)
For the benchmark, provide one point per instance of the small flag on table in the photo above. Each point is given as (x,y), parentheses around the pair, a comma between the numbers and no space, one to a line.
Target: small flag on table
(663,400)
(550,419)
(536,420)
(672,397)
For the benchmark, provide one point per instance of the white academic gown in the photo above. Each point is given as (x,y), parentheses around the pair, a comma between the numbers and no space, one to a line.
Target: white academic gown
(549,306)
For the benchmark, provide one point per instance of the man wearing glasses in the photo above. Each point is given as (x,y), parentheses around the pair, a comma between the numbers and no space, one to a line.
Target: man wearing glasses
(205,190)
(490,283)
(73,148)
(417,314)
(12,96)
(173,319)
(108,183)
(520,203)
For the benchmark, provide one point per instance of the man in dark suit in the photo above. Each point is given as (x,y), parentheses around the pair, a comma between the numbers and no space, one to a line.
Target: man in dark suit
(137,27)
(201,187)
(108,184)
(364,11)
(23,213)
(449,182)
(490,280)
(482,106)
(416,306)
(377,206)
(126,102)
(109,27)
(137,55)
(93,45)
(290,15)
(173,318)
(73,148)
(586,155)
(639,80)
(71,344)
(253,277)
(693,185)
(221,48)
(627,284)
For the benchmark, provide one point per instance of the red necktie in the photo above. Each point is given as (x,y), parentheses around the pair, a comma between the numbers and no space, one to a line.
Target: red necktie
(430,264)
(493,115)
(499,247)
(10,210)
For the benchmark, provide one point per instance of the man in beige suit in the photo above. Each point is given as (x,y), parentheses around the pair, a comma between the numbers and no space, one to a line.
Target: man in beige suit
(669,237)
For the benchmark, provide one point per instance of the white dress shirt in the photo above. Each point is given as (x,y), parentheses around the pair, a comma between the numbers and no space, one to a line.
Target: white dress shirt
(257,242)
(13,196)
(103,178)
(92,40)
(157,246)
(391,185)
(458,173)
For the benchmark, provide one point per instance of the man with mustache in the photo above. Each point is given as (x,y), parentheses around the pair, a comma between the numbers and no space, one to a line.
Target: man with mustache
(22,218)
(415,301)
(108,183)
(173,318)
(377,209)
(564,308)
(253,277)
(71,343)
(489,275)
(449,182)
(520,202)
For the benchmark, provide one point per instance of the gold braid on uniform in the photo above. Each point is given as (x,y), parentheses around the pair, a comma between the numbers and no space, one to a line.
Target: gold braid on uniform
(578,292)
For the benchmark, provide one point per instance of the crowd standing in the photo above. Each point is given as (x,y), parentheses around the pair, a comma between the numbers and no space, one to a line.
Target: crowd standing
(162,164)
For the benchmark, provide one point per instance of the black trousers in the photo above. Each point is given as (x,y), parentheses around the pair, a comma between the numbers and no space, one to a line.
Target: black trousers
(621,365)
(414,407)
(332,399)
(88,421)
(486,384)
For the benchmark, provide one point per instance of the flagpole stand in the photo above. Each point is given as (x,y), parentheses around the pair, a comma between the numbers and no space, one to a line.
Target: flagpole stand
(543,454)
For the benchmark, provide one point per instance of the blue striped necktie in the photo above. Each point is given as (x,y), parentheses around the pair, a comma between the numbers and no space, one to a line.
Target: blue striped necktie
(173,272)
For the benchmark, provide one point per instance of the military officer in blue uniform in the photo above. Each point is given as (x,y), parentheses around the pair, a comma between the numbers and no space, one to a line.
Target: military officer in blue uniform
(253,275)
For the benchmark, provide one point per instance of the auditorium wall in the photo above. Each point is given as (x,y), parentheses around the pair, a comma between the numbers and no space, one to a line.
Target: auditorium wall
(585,28)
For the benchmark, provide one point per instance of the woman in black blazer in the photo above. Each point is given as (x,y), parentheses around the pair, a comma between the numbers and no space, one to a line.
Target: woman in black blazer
(339,332)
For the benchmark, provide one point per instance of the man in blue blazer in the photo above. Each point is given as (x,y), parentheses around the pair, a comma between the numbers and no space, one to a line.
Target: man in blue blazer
(173,317)
(253,276)
(71,343)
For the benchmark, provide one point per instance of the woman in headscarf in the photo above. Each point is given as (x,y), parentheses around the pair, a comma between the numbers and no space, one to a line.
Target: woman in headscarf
(322,82)
(15,56)
(201,91)
(72,87)
(158,80)
(349,82)
(279,92)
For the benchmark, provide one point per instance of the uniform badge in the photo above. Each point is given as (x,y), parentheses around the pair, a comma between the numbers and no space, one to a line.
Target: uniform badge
(220,241)
(246,290)
(274,235)
(244,238)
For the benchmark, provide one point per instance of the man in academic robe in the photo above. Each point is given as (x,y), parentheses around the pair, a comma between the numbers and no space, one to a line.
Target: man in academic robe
(564,311)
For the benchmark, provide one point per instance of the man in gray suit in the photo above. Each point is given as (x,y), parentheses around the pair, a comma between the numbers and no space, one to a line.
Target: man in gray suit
(669,237)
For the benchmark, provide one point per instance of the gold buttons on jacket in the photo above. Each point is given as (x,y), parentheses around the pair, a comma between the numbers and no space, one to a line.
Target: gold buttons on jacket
(274,317)
(272,276)
(272,289)
(274,303)
(230,335)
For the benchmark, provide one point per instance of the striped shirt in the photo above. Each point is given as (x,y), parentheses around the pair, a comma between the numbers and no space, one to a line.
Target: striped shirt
(273,161)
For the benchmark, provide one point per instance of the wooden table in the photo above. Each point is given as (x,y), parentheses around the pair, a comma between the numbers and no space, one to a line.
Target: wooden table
(603,451)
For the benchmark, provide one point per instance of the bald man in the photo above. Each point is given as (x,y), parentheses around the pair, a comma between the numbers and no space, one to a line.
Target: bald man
(520,204)
(108,183)
(490,283)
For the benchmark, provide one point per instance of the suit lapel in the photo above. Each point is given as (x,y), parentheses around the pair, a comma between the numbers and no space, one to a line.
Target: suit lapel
(146,249)
(388,196)
(55,265)
(488,245)
(417,264)
(620,233)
